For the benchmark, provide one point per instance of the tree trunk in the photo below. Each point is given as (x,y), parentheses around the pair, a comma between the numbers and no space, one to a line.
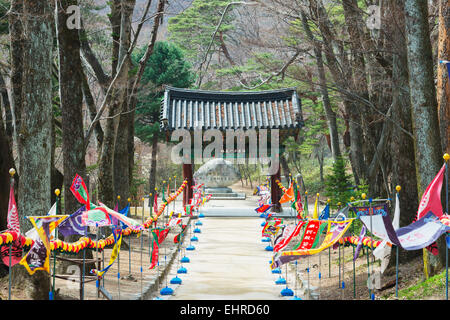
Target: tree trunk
(329,113)
(17,58)
(423,96)
(443,85)
(402,144)
(152,174)
(121,165)
(118,98)
(6,163)
(71,96)
(342,81)
(35,123)
(6,158)
(6,106)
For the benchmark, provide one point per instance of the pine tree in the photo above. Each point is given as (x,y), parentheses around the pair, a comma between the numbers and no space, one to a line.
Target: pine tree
(338,185)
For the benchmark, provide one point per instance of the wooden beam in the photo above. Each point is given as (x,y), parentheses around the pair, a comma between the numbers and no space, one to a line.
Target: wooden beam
(275,191)
(187,175)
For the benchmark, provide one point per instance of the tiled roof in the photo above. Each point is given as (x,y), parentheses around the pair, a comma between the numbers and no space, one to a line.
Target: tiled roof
(195,109)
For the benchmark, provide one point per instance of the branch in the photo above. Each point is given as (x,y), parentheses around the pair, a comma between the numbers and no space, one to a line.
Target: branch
(200,78)
(274,74)
(119,72)
(92,60)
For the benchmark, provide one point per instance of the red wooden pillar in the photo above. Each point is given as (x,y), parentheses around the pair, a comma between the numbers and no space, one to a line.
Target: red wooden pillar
(187,175)
(275,191)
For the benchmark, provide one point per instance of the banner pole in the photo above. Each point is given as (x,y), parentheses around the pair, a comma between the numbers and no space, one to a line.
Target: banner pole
(150,227)
(446,158)
(12,172)
(343,271)
(309,290)
(142,245)
(339,263)
(57,193)
(129,244)
(9,271)
(353,251)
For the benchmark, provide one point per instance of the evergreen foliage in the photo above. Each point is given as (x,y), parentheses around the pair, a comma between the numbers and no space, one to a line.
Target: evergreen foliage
(166,66)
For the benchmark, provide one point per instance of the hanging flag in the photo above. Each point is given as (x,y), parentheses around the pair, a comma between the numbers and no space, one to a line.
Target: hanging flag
(431,198)
(290,231)
(420,234)
(33,234)
(117,234)
(299,206)
(383,251)
(13,225)
(159,234)
(155,203)
(124,212)
(321,230)
(335,231)
(360,242)
(73,224)
(271,227)
(16,252)
(263,208)
(97,217)
(80,191)
(309,235)
(288,195)
(37,257)
(122,218)
(178,237)
(325,214)
(316,209)
(13,215)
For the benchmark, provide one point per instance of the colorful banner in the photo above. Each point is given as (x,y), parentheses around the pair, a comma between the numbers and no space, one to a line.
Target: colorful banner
(335,231)
(177,238)
(309,235)
(37,257)
(359,245)
(421,233)
(73,224)
(122,218)
(286,235)
(13,215)
(376,220)
(97,217)
(288,195)
(16,252)
(299,206)
(431,198)
(316,209)
(418,235)
(383,251)
(114,254)
(80,191)
(271,227)
(159,234)
(325,214)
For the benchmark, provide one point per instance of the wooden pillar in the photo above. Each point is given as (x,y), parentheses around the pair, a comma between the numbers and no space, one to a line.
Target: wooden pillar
(275,191)
(187,175)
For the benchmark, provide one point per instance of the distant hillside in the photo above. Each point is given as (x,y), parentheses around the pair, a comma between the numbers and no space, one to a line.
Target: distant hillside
(173,8)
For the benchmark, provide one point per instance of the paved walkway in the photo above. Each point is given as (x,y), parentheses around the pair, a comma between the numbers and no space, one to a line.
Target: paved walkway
(229,263)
